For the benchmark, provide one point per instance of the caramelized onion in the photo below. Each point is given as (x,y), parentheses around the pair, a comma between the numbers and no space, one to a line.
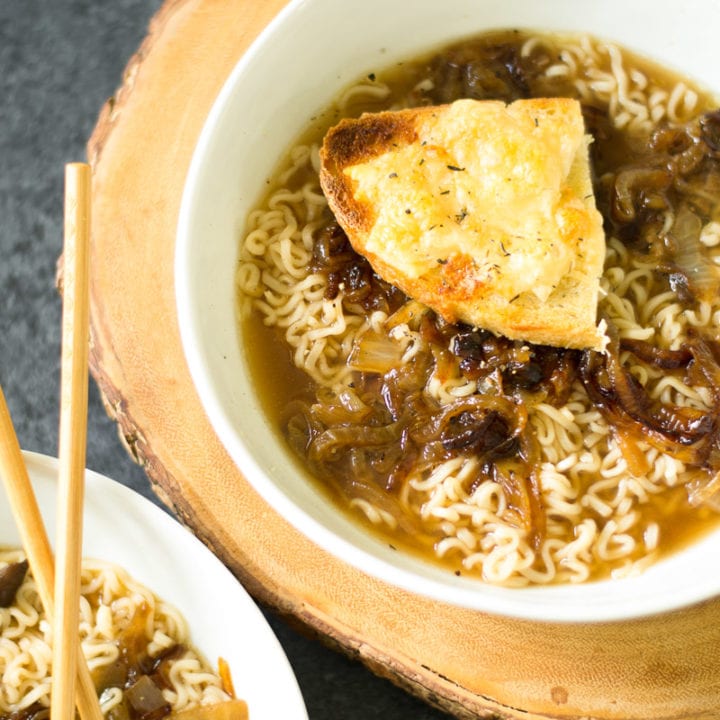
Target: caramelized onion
(146,700)
(455,420)
(710,130)
(497,71)
(701,275)
(706,362)
(517,366)
(520,480)
(635,186)
(337,439)
(687,434)
(12,576)
(659,357)
(375,352)
(346,271)
(704,489)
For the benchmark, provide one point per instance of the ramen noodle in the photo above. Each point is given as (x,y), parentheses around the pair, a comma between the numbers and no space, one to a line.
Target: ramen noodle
(514,463)
(135,644)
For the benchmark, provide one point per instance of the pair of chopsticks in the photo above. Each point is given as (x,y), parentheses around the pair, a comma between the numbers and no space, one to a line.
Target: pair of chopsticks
(58,581)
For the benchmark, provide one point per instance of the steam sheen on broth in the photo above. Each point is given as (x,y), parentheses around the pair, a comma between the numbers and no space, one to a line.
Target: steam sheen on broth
(515,463)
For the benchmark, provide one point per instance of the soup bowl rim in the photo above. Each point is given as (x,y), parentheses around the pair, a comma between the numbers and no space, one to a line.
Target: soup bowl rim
(233,131)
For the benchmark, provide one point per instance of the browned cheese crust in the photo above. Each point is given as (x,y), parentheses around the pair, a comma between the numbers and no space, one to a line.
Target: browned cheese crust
(482,211)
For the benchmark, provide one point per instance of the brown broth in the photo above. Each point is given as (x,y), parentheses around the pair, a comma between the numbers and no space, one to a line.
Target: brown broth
(276,377)
(280,382)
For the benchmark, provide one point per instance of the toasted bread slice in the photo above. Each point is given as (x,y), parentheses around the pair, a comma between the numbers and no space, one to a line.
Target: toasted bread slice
(481,210)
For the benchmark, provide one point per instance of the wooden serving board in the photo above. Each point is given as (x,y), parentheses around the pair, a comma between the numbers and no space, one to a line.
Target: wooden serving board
(468,663)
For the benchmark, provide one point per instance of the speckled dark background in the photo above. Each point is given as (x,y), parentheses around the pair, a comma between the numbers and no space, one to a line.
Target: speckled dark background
(59,61)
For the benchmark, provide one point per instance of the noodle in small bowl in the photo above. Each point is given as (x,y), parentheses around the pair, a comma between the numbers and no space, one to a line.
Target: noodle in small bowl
(147,586)
(246,251)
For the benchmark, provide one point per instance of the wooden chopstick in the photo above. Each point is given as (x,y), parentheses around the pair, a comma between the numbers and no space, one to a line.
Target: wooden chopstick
(72,438)
(35,541)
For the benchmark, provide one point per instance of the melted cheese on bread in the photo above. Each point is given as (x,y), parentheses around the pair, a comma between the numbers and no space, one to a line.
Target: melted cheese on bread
(481,210)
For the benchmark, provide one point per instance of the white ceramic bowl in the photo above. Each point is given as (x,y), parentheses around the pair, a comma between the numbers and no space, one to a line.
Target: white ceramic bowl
(122,527)
(296,67)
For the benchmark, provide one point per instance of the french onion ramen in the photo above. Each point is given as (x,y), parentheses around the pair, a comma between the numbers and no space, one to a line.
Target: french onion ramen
(137,648)
(516,463)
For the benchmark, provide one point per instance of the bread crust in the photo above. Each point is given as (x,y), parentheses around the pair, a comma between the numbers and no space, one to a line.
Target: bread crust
(480,276)
(350,143)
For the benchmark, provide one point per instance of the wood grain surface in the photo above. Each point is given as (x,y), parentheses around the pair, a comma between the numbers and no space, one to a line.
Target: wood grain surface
(468,663)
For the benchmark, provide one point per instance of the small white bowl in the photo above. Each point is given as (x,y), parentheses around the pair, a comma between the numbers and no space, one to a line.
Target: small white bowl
(123,528)
(296,67)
